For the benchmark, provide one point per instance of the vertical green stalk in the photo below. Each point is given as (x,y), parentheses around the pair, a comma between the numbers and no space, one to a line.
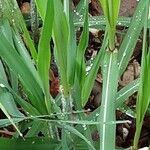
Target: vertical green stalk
(111,11)
(143,99)
(66,8)
(110,73)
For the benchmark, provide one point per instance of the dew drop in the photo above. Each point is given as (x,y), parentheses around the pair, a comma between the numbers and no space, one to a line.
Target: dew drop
(119,23)
(77,13)
(80,19)
(84,127)
(97,114)
(124,54)
(105,65)
(2,85)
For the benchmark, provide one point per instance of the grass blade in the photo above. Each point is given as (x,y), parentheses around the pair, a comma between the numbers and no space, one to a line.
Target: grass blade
(107,112)
(76,132)
(10,119)
(72,51)
(127,91)
(6,99)
(8,53)
(61,38)
(28,143)
(42,7)
(26,106)
(83,43)
(90,78)
(111,11)
(44,52)
(143,99)
(127,46)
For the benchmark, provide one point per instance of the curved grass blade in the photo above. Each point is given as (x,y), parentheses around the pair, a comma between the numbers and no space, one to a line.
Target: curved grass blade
(6,99)
(99,22)
(44,52)
(143,98)
(72,51)
(61,39)
(127,91)
(31,110)
(10,119)
(20,47)
(6,122)
(130,40)
(42,7)
(90,78)
(77,133)
(127,110)
(21,26)
(7,33)
(2,72)
(35,129)
(83,43)
(8,53)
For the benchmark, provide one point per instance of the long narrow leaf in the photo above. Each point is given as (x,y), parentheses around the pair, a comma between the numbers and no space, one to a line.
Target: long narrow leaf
(44,52)
(28,143)
(10,119)
(8,53)
(61,39)
(127,46)
(90,78)
(110,82)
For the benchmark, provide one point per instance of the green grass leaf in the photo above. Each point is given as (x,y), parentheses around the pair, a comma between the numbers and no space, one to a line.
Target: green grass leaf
(44,52)
(131,37)
(127,91)
(90,78)
(107,112)
(61,38)
(9,118)
(6,99)
(21,69)
(77,133)
(29,143)
(83,43)
(28,108)
(143,98)
(111,11)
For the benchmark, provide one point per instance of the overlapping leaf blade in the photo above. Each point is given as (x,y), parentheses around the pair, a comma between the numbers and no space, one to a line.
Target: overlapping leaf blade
(107,112)
(8,54)
(29,143)
(61,39)
(130,40)
(143,98)
(44,52)
(90,78)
